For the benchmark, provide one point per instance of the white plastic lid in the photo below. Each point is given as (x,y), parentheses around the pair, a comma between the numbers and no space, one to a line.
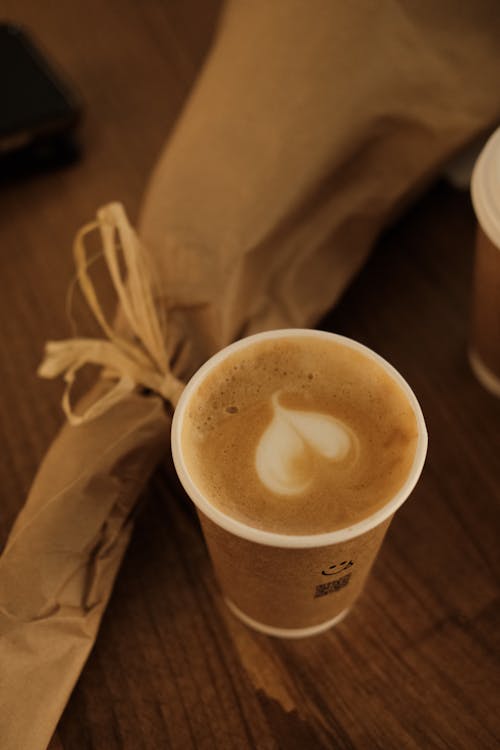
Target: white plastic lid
(485,188)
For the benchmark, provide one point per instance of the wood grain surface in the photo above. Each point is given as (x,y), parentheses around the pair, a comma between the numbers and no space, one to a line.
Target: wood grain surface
(415,665)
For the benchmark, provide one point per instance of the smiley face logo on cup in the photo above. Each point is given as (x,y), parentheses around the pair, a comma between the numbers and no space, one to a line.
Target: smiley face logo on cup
(337,568)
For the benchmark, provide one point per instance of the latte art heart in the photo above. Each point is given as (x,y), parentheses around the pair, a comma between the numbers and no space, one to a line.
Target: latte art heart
(299,435)
(286,451)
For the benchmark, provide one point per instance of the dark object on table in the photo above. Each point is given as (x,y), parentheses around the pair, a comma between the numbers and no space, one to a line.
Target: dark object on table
(38,110)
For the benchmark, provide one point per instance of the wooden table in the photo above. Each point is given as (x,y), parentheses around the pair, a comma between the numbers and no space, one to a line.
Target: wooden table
(416,663)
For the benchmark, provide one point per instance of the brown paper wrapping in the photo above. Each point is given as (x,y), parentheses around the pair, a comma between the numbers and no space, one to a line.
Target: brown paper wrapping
(61,558)
(308,128)
(286,587)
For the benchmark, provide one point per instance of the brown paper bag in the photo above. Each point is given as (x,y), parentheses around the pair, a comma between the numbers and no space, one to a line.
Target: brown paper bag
(61,558)
(308,128)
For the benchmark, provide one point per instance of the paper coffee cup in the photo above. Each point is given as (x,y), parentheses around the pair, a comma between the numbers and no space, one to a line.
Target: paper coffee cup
(292,585)
(484,351)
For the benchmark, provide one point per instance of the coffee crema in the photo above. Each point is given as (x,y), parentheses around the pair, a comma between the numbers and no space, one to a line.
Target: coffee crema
(299,435)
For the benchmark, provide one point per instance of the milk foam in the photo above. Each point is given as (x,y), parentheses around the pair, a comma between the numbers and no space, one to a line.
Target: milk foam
(286,452)
(299,436)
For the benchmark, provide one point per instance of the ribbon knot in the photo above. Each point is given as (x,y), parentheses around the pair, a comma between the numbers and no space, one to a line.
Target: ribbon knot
(142,362)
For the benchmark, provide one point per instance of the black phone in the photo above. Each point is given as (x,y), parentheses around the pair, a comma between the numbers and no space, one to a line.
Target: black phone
(39,111)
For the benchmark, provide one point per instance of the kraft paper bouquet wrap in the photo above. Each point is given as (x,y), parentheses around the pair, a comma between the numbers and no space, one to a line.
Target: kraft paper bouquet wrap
(309,126)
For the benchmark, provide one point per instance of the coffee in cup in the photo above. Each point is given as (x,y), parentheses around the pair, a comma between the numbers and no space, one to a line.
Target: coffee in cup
(297,447)
(299,435)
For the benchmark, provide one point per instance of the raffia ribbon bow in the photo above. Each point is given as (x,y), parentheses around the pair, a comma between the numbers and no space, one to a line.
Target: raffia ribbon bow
(142,362)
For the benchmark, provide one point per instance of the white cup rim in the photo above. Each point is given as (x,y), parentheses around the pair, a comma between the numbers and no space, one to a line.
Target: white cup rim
(485,184)
(271,538)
